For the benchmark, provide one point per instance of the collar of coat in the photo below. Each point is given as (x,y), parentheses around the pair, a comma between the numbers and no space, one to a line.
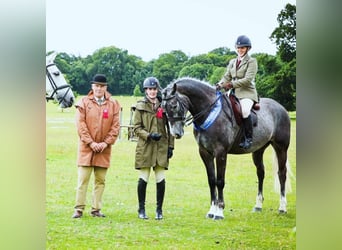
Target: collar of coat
(91,96)
(146,105)
(245,59)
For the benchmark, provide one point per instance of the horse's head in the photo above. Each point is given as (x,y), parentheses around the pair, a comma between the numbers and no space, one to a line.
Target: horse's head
(57,87)
(175,109)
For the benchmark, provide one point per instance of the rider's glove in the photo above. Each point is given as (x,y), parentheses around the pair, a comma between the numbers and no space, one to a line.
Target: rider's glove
(154,136)
(169,152)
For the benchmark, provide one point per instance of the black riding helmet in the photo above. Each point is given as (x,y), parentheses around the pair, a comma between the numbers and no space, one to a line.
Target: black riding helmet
(151,82)
(243,41)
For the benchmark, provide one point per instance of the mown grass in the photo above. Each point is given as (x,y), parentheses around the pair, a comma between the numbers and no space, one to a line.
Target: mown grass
(186,200)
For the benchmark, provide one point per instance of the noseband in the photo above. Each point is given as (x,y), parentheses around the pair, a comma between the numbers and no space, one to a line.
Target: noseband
(55,87)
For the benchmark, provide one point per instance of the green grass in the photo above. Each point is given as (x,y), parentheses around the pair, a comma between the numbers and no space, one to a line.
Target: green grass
(186,203)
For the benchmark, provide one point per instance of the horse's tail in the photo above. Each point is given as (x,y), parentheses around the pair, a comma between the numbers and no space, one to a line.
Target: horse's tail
(289,175)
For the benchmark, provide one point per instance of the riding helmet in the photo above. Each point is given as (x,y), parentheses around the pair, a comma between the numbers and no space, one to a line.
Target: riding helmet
(151,82)
(243,41)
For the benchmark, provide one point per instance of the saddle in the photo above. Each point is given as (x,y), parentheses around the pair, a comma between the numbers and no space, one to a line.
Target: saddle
(237,110)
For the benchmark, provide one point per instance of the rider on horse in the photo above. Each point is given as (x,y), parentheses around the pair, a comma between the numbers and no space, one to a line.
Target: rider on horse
(240,77)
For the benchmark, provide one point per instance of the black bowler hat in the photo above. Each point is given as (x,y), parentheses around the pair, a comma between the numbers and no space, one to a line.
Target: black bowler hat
(99,79)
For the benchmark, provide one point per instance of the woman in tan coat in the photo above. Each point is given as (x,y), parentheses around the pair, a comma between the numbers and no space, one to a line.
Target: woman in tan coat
(155,145)
(98,126)
(240,76)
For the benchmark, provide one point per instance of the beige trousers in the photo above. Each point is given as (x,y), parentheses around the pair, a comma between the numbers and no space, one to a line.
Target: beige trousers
(84,173)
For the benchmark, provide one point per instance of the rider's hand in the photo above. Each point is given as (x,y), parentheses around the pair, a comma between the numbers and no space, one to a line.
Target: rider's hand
(218,86)
(229,86)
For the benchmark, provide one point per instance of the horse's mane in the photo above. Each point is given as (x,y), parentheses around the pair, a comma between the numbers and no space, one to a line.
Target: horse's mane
(191,80)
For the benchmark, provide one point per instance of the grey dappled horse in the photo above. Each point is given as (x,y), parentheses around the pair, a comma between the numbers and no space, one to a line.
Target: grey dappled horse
(218,134)
(56,86)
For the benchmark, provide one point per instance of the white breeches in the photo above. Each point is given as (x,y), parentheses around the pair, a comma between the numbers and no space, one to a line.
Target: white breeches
(246,106)
(158,171)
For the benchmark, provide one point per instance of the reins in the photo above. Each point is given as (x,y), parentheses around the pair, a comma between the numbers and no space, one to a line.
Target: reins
(191,119)
(188,120)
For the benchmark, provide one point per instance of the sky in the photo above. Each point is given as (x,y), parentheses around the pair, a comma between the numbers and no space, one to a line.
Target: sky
(148,28)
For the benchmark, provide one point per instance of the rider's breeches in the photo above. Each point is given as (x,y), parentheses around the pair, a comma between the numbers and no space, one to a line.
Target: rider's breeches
(246,106)
(158,171)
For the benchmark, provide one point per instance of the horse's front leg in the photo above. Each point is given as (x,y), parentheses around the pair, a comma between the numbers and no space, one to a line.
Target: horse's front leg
(221,161)
(210,168)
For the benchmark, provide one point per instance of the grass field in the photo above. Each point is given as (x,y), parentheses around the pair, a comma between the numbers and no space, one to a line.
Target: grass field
(186,202)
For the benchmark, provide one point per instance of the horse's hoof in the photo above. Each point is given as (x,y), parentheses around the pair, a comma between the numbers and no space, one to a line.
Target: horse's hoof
(282,211)
(210,216)
(257,209)
(217,217)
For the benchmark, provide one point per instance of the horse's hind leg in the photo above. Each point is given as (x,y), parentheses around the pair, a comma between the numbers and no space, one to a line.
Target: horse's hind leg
(282,169)
(260,169)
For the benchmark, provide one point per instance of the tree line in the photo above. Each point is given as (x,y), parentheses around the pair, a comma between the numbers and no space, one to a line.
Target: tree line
(276,77)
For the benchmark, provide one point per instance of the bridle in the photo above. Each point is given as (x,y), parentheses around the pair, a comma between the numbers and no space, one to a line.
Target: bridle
(171,117)
(187,120)
(54,85)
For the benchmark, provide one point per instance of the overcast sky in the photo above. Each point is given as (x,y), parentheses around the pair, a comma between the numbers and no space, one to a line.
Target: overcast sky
(148,28)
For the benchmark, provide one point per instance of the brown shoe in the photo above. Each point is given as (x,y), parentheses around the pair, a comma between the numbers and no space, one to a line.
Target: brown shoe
(97,214)
(77,214)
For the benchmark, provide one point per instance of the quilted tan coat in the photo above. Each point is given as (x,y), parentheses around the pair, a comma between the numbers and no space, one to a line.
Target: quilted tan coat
(95,125)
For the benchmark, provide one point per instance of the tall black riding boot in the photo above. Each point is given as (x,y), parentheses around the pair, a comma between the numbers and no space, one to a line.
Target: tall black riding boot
(248,132)
(160,199)
(141,198)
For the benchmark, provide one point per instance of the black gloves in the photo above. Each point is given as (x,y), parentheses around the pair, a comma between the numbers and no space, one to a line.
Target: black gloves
(169,152)
(154,136)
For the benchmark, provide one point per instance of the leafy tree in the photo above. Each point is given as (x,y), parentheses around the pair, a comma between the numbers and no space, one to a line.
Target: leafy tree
(197,70)
(268,65)
(137,91)
(285,34)
(217,74)
(223,51)
(283,86)
(167,66)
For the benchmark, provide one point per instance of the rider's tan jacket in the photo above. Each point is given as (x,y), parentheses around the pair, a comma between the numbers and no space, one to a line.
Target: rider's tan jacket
(242,77)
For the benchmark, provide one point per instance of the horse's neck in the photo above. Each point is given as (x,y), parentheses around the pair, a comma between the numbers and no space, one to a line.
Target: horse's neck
(199,101)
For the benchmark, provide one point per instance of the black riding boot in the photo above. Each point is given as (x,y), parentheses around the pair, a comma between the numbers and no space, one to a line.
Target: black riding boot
(160,199)
(248,132)
(141,198)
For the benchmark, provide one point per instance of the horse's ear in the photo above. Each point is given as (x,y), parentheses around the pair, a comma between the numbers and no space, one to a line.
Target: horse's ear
(174,89)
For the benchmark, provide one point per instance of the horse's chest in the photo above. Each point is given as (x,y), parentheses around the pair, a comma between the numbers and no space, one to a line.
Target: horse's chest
(205,141)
